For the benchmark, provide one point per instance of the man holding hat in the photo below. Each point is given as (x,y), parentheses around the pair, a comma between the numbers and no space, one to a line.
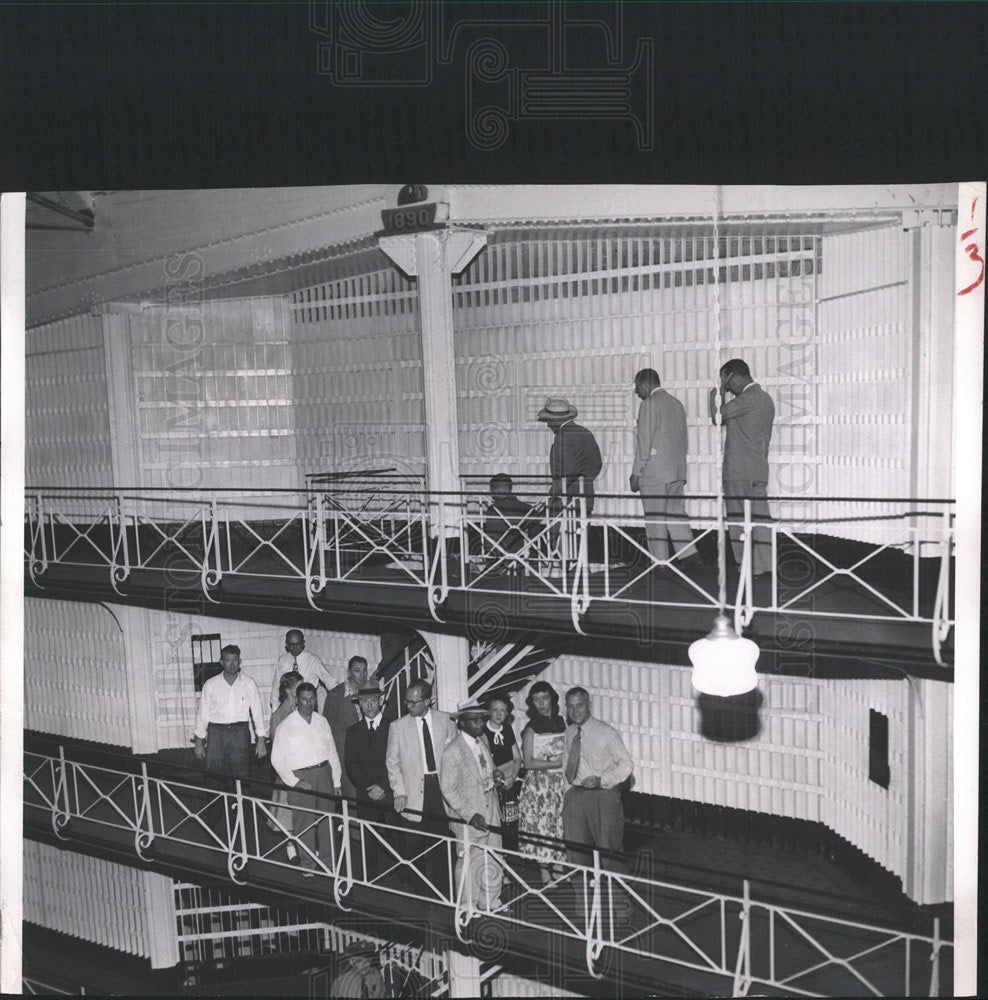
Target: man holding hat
(469,780)
(574,454)
(361,975)
(365,761)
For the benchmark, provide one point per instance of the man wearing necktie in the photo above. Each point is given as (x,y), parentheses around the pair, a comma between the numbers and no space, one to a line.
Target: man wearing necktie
(467,778)
(342,711)
(596,763)
(415,744)
(364,759)
(297,659)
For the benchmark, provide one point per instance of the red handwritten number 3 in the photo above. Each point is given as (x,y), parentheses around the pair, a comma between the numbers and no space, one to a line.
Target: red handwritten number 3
(974,252)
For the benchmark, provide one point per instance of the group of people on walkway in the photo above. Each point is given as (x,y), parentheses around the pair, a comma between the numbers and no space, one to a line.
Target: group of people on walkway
(553,795)
(658,472)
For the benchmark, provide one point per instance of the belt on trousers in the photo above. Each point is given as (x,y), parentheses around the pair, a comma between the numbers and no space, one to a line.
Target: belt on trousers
(228,725)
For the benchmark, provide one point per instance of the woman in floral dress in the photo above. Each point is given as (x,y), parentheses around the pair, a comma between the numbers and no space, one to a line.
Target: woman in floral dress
(541,801)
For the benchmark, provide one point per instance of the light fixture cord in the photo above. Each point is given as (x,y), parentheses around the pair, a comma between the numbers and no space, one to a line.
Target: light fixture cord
(721,528)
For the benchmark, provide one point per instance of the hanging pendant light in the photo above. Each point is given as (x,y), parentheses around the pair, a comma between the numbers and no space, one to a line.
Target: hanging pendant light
(723,662)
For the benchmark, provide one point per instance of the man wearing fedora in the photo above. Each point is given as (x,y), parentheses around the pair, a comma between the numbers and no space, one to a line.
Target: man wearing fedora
(468,780)
(574,455)
(365,762)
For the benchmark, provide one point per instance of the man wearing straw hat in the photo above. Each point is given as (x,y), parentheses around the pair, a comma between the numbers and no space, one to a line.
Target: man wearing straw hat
(574,454)
(468,780)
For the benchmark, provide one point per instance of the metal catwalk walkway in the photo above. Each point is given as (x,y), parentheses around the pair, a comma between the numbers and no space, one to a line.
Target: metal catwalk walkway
(373,555)
(624,925)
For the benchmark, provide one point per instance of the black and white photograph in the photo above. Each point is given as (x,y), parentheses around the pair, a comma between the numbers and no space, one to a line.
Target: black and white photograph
(439,582)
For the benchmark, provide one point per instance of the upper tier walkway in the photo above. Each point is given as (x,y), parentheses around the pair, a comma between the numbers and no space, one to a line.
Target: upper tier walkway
(869,581)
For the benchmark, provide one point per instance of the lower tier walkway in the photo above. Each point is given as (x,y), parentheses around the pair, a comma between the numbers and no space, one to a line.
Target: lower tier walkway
(678,914)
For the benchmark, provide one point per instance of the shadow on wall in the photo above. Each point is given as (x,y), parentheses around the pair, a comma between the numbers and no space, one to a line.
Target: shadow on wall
(730,720)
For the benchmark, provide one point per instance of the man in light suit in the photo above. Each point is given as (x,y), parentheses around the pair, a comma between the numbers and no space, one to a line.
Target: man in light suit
(659,471)
(415,745)
(469,785)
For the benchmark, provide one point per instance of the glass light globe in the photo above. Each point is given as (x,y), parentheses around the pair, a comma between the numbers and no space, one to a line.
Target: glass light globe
(724,662)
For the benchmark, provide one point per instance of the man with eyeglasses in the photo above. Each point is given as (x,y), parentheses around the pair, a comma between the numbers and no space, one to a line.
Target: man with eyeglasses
(415,745)
(297,659)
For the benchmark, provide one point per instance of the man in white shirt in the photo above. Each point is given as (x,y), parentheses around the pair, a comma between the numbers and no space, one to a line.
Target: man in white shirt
(596,764)
(297,659)
(229,705)
(304,755)
(468,781)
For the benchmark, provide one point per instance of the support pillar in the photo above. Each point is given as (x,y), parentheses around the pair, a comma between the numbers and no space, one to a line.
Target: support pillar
(433,257)
(464,974)
(12,306)
(159,915)
(128,472)
(451,654)
(929,875)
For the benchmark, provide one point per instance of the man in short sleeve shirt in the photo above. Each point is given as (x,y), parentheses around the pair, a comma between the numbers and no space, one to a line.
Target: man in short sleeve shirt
(229,706)
(596,763)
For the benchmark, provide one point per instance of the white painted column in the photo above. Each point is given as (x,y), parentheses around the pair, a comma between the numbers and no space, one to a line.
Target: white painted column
(127,472)
(140,661)
(933,420)
(451,654)
(12,212)
(433,257)
(929,875)
(969,330)
(464,974)
(121,395)
(162,929)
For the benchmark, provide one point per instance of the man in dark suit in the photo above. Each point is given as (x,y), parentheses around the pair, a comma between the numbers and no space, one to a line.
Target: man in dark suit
(341,711)
(365,750)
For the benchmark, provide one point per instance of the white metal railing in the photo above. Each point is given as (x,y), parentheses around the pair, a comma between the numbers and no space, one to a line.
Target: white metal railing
(748,942)
(388,535)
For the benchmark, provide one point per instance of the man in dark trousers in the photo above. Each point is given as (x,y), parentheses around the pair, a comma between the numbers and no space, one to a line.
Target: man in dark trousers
(365,762)
(415,746)
(574,455)
(341,710)
(747,420)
